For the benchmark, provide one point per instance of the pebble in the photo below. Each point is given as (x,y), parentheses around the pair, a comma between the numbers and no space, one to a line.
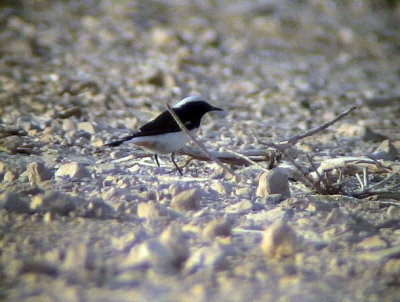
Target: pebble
(151,253)
(242,191)
(73,170)
(206,258)
(87,126)
(73,111)
(9,176)
(373,243)
(386,151)
(98,208)
(240,207)
(175,240)
(13,202)
(47,136)
(222,187)
(38,172)
(148,210)
(218,228)
(273,182)
(367,135)
(187,200)
(68,125)
(55,202)
(10,144)
(2,167)
(161,36)
(76,257)
(279,241)
(177,188)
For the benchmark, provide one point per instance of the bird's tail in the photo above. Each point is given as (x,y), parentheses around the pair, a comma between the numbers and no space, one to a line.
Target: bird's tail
(122,140)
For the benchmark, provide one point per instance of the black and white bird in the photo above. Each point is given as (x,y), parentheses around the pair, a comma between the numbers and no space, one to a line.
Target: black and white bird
(163,135)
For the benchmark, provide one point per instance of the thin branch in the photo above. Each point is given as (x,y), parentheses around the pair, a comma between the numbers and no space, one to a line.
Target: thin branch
(248,159)
(382,182)
(295,138)
(197,143)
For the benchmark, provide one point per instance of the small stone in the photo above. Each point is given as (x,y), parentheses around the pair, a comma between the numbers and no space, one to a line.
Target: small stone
(273,182)
(68,125)
(2,167)
(392,267)
(148,210)
(210,259)
(279,241)
(73,170)
(176,188)
(386,151)
(187,200)
(37,172)
(87,126)
(55,202)
(373,243)
(74,111)
(151,253)
(367,135)
(10,144)
(76,257)
(240,207)
(13,202)
(9,176)
(243,191)
(156,79)
(47,136)
(161,36)
(222,187)
(48,217)
(218,228)
(98,208)
(176,241)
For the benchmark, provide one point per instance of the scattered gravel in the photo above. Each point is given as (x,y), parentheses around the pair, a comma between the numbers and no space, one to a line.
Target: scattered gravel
(82,221)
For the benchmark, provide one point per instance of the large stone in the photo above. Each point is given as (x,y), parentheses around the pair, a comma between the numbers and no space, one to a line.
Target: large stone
(73,170)
(273,182)
(187,200)
(37,172)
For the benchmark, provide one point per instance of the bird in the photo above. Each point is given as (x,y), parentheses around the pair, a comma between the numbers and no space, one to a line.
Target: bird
(163,135)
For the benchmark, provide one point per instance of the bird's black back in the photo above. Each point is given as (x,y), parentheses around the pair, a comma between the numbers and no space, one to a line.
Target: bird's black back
(190,114)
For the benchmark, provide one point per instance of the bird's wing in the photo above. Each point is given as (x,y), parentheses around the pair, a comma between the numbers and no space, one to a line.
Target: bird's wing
(164,123)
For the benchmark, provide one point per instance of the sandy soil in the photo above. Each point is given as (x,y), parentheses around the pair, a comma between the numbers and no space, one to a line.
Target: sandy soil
(80,223)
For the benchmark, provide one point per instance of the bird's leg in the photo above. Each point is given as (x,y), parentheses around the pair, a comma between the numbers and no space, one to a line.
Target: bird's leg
(173,160)
(155,156)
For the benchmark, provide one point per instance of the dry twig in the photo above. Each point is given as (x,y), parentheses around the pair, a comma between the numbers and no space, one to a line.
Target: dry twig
(295,138)
(197,143)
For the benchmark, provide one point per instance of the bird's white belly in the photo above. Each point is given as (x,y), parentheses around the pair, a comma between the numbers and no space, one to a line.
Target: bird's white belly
(163,143)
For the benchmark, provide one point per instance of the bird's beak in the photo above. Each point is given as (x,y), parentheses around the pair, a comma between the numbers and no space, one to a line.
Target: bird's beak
(216,109)
(218,112)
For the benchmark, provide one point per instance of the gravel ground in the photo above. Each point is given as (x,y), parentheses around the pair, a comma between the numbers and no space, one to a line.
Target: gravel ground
(80,223)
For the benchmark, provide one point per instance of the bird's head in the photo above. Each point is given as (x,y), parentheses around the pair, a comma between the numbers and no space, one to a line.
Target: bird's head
(195,105)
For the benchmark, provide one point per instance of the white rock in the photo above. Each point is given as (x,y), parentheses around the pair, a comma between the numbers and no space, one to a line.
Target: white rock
(73,170)
(273,182)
